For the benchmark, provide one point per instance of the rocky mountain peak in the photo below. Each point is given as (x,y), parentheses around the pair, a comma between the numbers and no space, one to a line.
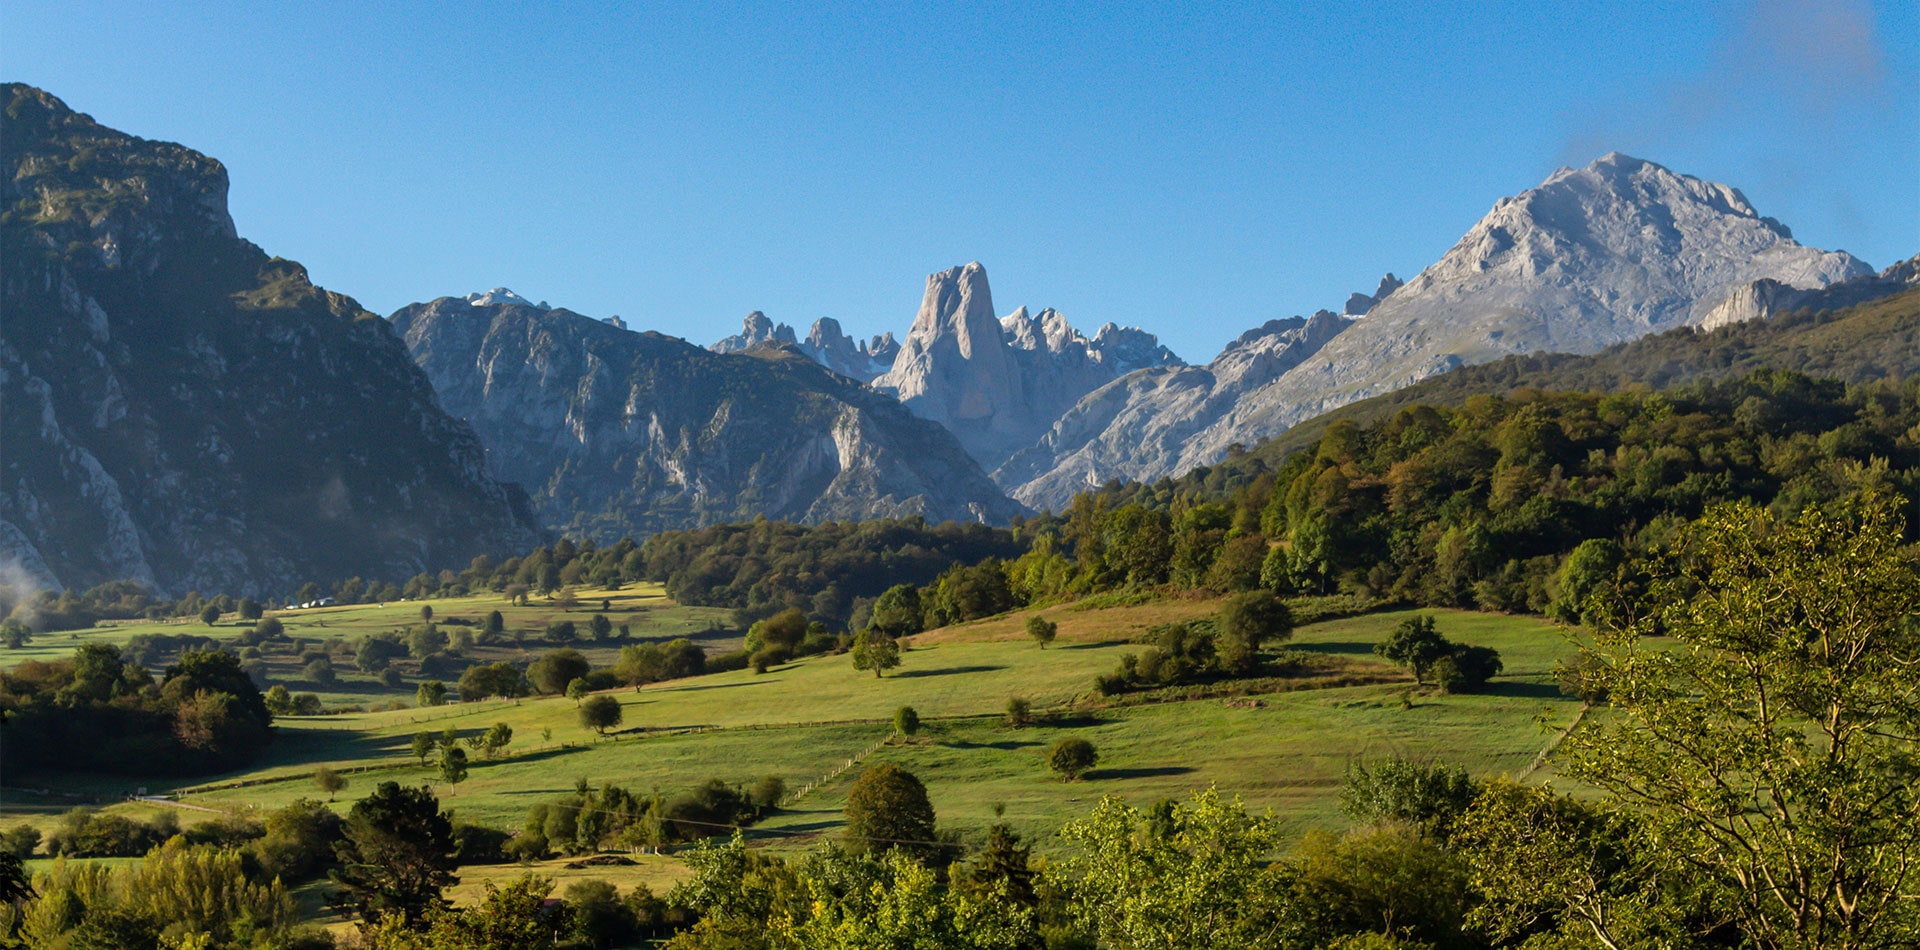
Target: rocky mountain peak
(755,330)
(954,366)
(1591,257)
(161,192)
(831,347)
(1358,303)
(501,295)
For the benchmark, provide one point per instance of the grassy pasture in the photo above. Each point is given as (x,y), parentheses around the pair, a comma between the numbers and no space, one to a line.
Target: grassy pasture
(1284,751)
(643,608)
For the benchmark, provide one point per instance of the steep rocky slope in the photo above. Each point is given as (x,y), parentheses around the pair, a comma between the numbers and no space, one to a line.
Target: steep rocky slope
(1592,257)
(617,432)
(999,384)
(183,410)
(1137,427)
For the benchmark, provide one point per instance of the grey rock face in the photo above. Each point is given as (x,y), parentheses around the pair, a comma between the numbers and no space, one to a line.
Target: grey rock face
(630,433)
(998,384)
(1592,257)
(1140,425)
(183,411)
(1358,303)
(829,347)
(755,331)
(825,344)
(955,369)
(1765,297)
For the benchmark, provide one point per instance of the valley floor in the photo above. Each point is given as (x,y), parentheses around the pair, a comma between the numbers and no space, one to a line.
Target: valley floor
(1284,750)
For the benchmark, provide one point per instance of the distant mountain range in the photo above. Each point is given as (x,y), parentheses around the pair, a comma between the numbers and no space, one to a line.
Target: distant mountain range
(184,410)
(622,433)
(1591,257)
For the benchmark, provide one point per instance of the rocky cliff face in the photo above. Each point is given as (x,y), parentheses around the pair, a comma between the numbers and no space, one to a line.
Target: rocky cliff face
(825,344)
(183,410)
(615,432)
(1139,426)
(1765,297)
(1592,257)
(999,384)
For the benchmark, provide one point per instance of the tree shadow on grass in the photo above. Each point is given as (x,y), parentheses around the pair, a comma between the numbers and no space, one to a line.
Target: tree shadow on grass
(1155,772)
(536,756)
(1004,745)
(949,671)
(1090,645)
(695,689)
(797,830)
(1521,690)
(1074,721)
(1337,646)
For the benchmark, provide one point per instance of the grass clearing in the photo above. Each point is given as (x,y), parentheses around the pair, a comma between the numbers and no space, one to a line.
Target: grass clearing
(1284,751)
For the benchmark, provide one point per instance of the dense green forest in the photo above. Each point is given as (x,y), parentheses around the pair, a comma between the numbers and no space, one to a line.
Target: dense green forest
(97,712)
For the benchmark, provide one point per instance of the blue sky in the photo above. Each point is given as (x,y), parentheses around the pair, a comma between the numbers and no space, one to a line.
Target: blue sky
(1192,169)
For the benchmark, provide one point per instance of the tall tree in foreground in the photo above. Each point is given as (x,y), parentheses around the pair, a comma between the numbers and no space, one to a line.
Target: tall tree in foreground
(1772,746)
(397,855)
(1194,876)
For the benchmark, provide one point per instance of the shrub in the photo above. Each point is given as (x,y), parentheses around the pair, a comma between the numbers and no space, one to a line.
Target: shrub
(1019,712)
(1430,796)
(767,658)
(1467,669)
(319,671)
(767,792)
(729,662)
(906,721)
(525,847)
(1072,757)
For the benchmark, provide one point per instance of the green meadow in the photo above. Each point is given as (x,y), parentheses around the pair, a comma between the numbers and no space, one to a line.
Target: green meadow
(1282,743)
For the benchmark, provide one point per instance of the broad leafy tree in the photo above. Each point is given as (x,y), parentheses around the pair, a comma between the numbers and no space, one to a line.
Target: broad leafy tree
(601,713)
(553,671)
(1245,622)
(1416,645)
(1042,630)
(1072,757)
(329,781)
(898,612)
(887,808)
(1771,746)
(1195,876)
(874,650)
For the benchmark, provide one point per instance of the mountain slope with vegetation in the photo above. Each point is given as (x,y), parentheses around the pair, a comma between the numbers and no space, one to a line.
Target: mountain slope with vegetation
(183,410)
(1851,342)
